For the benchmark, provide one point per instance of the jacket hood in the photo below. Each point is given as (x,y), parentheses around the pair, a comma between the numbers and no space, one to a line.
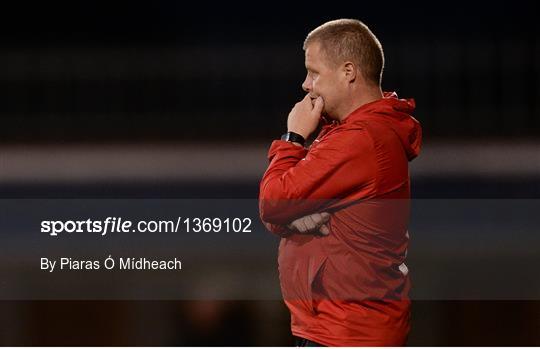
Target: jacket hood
(396,113)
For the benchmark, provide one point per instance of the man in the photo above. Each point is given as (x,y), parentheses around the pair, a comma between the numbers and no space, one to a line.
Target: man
(341,207)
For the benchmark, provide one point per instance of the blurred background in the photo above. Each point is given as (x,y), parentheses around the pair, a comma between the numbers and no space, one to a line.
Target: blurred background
(164,100)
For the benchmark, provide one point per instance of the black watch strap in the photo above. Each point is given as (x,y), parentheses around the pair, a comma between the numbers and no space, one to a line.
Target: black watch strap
(293,137)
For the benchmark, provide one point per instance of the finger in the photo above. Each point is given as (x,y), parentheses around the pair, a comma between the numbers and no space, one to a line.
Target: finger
(325,216)
(310,223)
(295,225)
(318,107)
(324,230)
(316,218)
(302,228)
(305,223)
(320,218)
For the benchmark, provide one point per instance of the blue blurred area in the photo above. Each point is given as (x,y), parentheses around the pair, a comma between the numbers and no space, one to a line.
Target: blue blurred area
(424,188)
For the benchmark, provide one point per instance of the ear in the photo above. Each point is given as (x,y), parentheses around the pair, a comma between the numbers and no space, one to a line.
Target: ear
(350,71)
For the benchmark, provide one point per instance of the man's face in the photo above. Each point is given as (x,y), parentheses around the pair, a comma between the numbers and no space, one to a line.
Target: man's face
(322,80)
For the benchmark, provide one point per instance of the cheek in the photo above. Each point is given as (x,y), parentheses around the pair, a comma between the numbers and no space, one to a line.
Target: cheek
(319,87)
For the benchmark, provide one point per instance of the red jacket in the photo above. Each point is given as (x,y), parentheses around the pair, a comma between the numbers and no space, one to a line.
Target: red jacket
(349,288)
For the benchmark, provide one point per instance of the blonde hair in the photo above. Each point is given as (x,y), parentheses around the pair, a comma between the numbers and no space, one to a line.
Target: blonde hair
(344,40)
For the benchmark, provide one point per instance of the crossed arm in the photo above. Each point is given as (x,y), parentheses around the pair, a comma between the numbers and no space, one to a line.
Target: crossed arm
(310,224)
(299,186)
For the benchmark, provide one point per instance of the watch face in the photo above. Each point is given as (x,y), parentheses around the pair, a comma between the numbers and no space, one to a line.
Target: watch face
(292,137)
(287,137)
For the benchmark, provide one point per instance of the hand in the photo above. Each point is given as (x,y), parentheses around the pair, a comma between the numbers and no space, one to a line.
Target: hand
(314,223)
(304,117)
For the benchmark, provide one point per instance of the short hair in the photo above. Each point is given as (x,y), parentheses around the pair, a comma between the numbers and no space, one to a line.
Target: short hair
(344,40)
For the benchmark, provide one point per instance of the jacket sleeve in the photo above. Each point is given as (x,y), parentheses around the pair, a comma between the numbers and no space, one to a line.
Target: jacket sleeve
(278,229)
(299,182)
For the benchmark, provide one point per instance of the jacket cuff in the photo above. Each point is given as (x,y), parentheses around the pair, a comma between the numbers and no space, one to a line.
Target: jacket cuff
(280,230)
(287,149)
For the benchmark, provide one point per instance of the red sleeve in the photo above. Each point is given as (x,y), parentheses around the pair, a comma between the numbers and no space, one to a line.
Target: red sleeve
(278,229)
(299,182)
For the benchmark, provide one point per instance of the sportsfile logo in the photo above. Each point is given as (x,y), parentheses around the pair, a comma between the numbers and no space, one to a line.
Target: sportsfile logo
(109,225)
(121,225)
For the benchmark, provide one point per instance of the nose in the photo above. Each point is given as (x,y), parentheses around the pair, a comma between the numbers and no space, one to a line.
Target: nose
(306,85)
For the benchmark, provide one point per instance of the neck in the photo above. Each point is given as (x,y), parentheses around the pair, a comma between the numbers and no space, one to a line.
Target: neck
(359,98)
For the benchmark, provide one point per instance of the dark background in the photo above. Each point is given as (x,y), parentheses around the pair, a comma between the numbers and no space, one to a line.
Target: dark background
(166,71)
(91,91)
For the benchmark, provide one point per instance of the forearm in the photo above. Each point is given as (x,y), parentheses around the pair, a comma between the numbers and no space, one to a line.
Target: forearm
(276,192)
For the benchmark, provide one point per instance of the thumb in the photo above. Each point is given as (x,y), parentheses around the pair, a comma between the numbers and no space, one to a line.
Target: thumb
(324,230)
(319,104)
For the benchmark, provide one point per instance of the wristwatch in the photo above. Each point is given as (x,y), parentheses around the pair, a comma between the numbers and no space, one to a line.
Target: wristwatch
(293,137)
